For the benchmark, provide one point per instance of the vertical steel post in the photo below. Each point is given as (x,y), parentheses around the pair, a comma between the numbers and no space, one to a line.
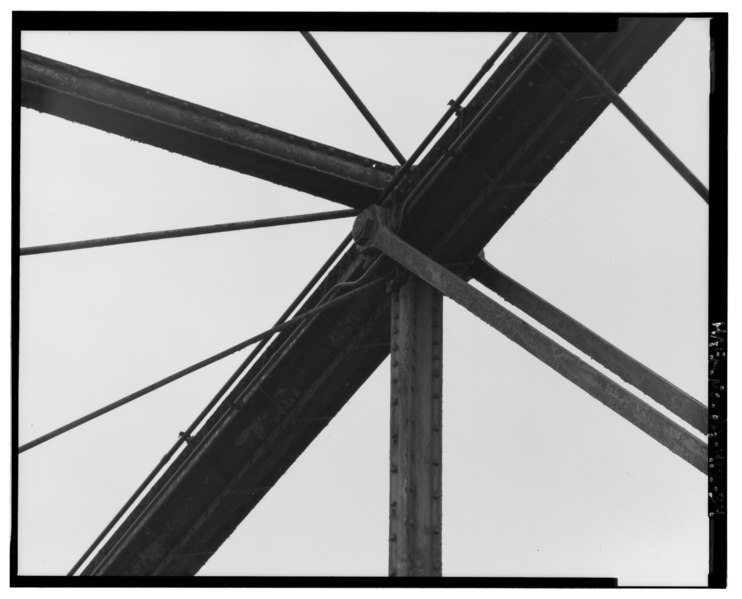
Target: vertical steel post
(416,447)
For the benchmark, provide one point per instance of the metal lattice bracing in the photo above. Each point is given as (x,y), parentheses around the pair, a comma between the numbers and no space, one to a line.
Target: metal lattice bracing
(490,159)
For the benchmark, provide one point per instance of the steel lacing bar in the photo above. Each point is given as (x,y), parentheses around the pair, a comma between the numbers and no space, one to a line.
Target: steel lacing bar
(212,403)
(187,232)
(193,368)
(591,72)
(353,96)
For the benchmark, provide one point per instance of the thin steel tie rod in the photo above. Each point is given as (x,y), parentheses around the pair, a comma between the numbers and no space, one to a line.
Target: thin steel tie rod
(193,368)
(207,409)
(353,96)
(173,233)
(591,72)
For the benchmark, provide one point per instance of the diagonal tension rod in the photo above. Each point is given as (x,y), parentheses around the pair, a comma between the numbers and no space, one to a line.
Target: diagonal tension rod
(591,72)
(209,406)
(369,232)
(353,96)
(173,233)
(197,366)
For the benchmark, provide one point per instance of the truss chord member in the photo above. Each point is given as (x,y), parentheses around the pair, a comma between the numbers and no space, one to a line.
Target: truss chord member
(354,97)
(415,426)
(630,370)
(590,71)
(188,232)
(454,106)
(371,233)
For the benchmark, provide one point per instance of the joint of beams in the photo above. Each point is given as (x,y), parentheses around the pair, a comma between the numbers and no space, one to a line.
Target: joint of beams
(366,223)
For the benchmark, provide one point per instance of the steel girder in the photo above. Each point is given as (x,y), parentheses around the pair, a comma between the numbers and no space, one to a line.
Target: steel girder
(184,128)
(519,125)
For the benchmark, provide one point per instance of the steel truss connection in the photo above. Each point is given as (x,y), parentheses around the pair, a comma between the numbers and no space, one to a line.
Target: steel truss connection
(370,232)
(276,404)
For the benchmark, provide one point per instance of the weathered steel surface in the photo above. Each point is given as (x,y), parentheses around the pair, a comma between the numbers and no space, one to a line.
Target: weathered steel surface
(416,440)
(177,126)
(305,377)
(632,371)
(640,414)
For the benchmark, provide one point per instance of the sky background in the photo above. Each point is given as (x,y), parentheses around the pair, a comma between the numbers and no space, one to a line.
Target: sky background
(614,237)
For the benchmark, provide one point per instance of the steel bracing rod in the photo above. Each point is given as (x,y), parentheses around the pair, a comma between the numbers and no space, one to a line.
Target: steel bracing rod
(188,232)
(354,284)
(452,108)
(207,409)
(193,368)
(370,233)
(590,71)
(630,370)
(353,96)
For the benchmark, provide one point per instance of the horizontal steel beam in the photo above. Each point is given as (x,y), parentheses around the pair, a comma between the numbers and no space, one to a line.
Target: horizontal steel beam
(230,142)
(369,232)
(630,370)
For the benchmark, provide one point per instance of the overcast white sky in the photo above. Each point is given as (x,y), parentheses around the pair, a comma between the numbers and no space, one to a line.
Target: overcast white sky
(613,237)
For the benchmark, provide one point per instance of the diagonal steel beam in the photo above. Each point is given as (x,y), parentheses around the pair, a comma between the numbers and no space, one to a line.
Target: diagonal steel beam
(227,141)
(370,233)
(632,371)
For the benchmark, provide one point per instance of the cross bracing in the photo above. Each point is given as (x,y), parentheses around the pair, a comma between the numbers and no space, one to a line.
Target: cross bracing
(338,350)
